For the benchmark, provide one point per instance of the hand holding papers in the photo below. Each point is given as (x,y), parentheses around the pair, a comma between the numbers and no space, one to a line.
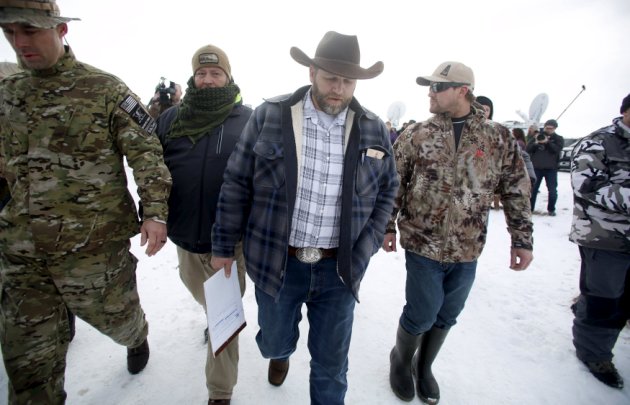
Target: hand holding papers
(224,308)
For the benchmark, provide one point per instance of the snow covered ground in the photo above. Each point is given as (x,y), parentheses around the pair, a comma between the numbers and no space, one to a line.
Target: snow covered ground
(512,344)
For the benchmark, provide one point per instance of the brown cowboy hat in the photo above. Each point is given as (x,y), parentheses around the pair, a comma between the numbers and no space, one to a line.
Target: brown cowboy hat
(338,54)
(37,13)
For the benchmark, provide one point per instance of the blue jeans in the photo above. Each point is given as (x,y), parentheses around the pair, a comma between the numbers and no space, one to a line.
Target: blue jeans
(551,179)
(330,312)
(435,292)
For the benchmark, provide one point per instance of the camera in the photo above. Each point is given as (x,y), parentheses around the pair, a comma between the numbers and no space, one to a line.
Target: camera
(541,137)
(166,93)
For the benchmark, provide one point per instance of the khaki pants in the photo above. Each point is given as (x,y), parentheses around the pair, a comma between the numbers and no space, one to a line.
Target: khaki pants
(98,286)
(194,270)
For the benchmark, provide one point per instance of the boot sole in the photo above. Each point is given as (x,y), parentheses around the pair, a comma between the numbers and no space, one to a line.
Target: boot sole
(429,401)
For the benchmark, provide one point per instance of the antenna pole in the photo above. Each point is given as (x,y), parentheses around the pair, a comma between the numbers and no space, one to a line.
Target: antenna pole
(567,107)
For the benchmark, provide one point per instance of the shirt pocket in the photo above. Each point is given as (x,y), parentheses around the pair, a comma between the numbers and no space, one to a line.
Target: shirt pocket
(269,166)
(79,131)
(369,169)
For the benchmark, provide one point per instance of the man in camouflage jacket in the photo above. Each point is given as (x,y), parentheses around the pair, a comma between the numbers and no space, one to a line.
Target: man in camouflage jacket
(600,176)
(65,129)
(450,166)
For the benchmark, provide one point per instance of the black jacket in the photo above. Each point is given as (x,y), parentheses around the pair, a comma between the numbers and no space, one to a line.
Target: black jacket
(197,172)
(546,155)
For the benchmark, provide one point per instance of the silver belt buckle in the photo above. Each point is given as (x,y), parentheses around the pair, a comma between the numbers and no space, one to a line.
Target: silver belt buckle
(308,255)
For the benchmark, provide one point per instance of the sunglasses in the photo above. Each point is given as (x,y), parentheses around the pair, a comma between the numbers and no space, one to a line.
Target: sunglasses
(438,87)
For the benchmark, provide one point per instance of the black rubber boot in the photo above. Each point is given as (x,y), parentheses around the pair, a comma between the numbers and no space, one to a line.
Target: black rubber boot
(137,357)
(426,384)
(605,372)
(400,377)
(71,323)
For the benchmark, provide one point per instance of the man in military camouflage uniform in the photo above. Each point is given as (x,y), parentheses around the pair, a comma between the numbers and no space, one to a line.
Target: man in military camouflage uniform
(450,166)
(65,128)
(600,176)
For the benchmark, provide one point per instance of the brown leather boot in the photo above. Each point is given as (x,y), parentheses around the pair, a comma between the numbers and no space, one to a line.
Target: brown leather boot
(278,370)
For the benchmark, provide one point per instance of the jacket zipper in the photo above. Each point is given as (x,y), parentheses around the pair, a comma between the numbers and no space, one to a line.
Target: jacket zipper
(450,199)
(220,140)
(203,171)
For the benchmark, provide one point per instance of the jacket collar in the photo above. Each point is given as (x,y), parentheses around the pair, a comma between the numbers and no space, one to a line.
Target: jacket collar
(475,118)
(623,129)
(297,97)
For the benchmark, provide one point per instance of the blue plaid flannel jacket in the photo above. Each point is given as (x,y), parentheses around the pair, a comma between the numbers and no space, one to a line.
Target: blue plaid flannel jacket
(260,182)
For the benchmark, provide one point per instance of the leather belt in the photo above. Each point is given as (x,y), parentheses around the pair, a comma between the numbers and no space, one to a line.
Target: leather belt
(310,255)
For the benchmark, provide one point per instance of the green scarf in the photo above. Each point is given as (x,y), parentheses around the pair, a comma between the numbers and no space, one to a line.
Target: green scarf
(202,110)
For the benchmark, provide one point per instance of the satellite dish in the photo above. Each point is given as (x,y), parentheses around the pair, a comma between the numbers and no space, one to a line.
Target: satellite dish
(522,115)
(395,112)
(538,107)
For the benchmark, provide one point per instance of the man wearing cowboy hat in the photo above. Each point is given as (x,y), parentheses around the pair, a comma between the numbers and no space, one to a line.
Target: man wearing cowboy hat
(310,186)
(65,128)
(450,166)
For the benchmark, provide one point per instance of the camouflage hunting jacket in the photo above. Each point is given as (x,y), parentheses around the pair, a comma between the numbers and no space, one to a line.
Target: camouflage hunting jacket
(64,132)
(600,176)
(446,191)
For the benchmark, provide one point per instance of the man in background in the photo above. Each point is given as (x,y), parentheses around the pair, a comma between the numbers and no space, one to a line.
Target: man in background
(488,109)
(198,137)
(600,176)
(65,129)
(164,98)
(544,150)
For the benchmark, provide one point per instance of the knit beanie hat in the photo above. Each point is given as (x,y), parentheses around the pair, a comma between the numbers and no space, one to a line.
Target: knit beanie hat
(483,100)
(625,104)
(211,55)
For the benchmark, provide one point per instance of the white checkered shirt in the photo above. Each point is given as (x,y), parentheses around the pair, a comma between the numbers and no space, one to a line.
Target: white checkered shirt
(318,201)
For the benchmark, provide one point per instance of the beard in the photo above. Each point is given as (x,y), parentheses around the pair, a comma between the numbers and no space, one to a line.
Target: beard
(330,109)
(434,107)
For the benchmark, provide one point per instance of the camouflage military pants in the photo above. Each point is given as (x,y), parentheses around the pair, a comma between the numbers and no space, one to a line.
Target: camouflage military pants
(98,286)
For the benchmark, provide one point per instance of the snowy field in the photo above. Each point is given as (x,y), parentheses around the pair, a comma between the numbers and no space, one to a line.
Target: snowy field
(512,344)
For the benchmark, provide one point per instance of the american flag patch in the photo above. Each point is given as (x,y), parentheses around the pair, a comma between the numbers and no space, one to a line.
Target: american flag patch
(138,113)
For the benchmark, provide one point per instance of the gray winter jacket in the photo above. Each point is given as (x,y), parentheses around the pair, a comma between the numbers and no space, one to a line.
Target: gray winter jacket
(600,176)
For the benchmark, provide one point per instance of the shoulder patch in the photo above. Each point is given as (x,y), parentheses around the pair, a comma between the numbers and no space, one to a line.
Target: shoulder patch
(138,113)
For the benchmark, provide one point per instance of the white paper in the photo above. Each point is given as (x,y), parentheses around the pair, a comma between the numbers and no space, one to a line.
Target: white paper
(224,308)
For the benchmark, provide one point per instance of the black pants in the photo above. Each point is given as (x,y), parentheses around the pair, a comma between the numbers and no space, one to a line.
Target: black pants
(604,303)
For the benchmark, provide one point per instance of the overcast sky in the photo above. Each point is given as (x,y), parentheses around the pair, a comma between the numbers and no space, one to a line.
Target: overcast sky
(517,49)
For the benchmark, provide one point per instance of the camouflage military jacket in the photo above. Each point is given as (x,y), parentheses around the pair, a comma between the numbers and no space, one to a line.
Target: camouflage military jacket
(446,191)
(64,133)
(600,176)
